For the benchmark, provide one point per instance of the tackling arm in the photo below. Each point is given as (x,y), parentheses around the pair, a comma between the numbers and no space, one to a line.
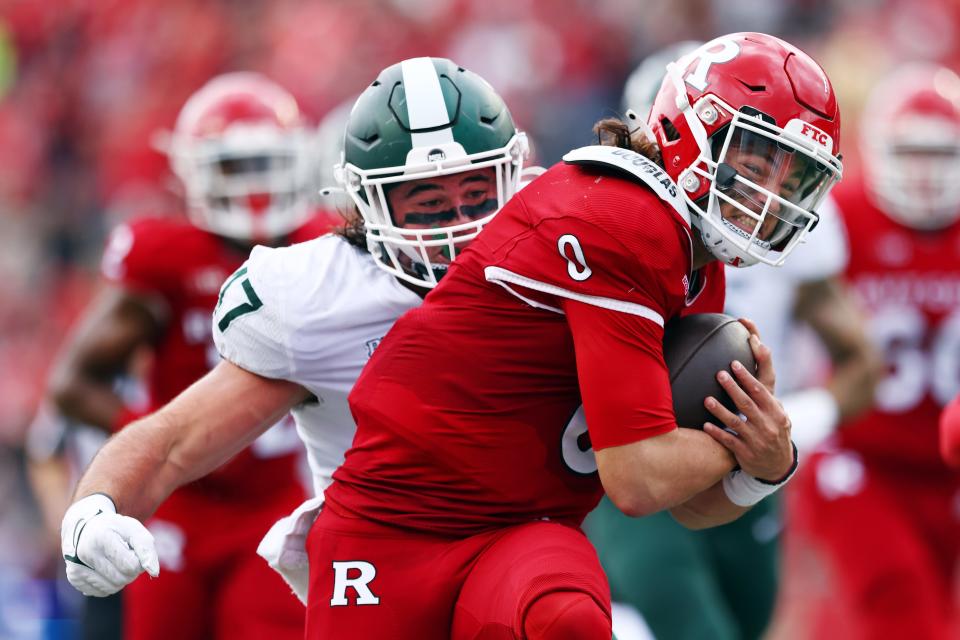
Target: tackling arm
(197,431)
(203,427)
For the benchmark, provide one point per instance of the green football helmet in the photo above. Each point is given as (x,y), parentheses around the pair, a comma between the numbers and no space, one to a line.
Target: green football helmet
(422,118)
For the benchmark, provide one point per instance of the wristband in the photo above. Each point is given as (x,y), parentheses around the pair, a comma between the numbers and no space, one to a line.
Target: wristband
(814,414)
(744,490)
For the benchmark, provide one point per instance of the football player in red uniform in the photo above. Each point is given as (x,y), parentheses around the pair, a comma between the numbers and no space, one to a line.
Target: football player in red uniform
(457,511)
(874,516)
(239,147)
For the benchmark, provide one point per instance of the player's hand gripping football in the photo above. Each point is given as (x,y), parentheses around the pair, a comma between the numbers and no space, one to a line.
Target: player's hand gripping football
(762,444)
(103,550)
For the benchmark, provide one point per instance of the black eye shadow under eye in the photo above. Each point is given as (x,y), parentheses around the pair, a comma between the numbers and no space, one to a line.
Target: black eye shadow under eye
(430,218)
(479,210)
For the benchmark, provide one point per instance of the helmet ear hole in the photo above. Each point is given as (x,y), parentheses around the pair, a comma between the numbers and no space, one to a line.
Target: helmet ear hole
(669,130)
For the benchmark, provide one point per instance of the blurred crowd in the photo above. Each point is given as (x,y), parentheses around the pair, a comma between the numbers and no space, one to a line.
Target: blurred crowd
(88,89)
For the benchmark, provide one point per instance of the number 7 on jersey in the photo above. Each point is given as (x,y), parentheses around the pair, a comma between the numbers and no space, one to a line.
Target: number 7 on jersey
(252,303)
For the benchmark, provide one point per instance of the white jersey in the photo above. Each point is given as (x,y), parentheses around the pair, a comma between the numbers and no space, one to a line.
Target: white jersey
(311,313)
(767,294)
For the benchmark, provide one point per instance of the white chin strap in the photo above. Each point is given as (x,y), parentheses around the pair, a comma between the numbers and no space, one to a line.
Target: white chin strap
(719,246)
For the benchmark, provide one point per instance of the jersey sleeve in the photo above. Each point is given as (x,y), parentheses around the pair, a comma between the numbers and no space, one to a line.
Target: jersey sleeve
(249,325)
(134,257)
(624,381)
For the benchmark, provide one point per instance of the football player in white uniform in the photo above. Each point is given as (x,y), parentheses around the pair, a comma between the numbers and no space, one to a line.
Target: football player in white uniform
(430,154)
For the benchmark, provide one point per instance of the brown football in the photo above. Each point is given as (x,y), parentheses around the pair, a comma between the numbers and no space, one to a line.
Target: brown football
(696,348)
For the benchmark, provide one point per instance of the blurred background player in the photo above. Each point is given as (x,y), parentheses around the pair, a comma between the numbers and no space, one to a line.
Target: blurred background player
(729,573)
(874,518)
(240,150)
(430,154)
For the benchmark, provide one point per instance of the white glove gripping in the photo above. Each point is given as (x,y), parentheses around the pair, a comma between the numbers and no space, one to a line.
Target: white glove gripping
(103,550)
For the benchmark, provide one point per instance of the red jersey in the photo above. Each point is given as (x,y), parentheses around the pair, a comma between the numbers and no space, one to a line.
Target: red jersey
(469,414)
(184,266)
(908,284)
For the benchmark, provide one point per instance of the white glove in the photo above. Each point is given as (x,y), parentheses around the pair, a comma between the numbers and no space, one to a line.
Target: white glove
(103,550)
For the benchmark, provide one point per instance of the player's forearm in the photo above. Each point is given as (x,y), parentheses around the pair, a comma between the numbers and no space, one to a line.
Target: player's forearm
(708,508)
(148,460)
(199,430)
(662,472)
(133,468)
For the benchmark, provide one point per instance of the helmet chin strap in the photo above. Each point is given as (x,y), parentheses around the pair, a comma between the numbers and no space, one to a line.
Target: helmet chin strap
(420,270)
(716,242)
(416,266)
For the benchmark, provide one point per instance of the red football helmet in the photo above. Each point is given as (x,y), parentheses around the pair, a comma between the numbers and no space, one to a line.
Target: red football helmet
(749,128)
(910,137)
(240,148)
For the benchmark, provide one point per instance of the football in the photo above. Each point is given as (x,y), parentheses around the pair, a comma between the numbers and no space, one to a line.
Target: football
(696,348)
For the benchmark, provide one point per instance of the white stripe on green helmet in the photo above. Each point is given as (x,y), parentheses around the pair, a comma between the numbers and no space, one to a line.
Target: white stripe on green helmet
(426,108)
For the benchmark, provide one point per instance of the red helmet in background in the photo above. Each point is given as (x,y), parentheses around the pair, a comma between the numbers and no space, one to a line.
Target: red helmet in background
(910,137)
(241,150)
(749,128)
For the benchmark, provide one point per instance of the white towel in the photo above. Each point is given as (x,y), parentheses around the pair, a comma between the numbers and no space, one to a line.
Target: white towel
(285,546)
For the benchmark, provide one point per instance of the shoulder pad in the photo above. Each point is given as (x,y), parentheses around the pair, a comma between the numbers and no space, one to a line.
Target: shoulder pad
(636,165)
